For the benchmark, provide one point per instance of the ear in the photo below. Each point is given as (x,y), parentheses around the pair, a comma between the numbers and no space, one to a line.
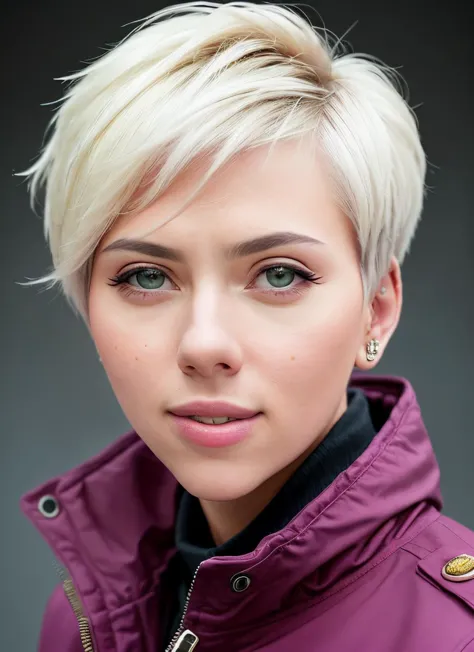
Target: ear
(383,316)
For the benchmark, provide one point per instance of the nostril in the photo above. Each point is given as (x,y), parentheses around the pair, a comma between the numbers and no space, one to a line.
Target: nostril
(222,366)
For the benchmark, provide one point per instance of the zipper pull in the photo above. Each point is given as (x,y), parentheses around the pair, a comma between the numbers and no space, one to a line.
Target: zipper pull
(186,642)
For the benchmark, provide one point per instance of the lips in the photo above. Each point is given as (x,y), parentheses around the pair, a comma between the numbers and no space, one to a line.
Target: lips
(213,409)
(214,436)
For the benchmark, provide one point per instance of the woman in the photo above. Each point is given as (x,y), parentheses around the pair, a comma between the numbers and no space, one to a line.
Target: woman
(228,202)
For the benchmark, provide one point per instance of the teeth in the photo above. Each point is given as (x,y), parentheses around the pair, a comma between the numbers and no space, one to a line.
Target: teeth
(212,420)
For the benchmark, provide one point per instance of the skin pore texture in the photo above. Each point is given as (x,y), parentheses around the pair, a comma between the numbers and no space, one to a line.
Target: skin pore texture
(213,327)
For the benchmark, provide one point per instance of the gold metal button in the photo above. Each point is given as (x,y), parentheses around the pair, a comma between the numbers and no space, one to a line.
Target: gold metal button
(459,569)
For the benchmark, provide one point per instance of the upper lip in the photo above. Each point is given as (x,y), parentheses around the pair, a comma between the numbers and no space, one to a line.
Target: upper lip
(213,409)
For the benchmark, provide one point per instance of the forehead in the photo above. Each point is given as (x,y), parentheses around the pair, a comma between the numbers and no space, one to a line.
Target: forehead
(284,188)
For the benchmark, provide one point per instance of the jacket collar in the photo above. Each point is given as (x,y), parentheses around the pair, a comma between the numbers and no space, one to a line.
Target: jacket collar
(115,527)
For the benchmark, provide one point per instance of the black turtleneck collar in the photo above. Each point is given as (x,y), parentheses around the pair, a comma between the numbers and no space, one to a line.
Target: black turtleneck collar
(344,443)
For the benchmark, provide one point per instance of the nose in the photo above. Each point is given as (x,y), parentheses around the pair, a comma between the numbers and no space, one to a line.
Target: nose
(208,347)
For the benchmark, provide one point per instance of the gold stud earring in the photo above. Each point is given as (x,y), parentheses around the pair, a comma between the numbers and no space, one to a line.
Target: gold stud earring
(372,349)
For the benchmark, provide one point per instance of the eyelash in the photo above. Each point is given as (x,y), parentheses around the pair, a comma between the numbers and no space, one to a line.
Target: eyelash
(120,281)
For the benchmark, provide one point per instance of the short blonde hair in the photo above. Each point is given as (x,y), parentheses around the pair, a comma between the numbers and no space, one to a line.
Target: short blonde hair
(204,77)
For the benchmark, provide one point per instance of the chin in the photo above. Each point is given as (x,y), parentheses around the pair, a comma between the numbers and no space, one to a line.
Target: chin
(217,487)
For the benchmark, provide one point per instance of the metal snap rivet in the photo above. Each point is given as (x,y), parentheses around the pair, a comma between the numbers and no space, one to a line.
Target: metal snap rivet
(48,506)
(459,569)
(240,583)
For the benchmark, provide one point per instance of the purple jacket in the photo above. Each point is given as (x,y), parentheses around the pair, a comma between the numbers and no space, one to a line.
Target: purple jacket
(362,568)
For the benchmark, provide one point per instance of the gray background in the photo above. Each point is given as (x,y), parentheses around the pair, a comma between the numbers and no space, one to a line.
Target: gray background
(56,403)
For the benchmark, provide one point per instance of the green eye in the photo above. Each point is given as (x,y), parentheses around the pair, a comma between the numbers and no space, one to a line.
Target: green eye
(148,279)
(280,277)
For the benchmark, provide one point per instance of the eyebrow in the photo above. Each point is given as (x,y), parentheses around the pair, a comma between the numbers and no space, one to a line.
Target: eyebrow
(239,250)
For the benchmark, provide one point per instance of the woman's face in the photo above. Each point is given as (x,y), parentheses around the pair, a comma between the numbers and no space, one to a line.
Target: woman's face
(213,322)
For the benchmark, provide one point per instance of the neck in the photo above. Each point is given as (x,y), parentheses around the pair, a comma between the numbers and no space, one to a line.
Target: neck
(227,518)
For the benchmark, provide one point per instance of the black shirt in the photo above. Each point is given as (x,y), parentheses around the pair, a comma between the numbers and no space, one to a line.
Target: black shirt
(344,443)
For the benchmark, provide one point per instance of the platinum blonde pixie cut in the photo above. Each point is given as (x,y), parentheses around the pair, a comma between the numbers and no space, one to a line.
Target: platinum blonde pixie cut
(203,78)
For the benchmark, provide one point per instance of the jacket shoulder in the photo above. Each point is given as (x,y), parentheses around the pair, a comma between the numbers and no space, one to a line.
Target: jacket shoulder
(59,629)
(442,542)
(457,529)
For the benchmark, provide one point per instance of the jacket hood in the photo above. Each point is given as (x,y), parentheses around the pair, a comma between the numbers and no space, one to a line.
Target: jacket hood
(114,527)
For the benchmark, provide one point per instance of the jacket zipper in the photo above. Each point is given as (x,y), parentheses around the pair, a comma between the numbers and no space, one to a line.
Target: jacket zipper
(85,631)
(184,641)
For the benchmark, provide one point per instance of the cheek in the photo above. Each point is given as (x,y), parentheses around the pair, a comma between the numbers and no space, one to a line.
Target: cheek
(130,350)
(131,360)
(316,351)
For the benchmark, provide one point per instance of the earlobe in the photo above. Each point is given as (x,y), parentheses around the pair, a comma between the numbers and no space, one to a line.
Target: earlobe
(372,350)
(368,357)
(385,311)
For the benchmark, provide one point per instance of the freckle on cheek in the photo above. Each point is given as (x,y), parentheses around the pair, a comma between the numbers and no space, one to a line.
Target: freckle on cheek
(292,357)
